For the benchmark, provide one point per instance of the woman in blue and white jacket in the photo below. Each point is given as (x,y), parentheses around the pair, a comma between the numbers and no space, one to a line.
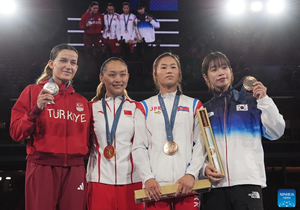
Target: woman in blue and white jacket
(238,128)
(156,164)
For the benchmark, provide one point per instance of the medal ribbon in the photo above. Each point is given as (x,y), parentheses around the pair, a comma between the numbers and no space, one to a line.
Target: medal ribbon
(51,80)
(241,95)
(109,24)
(111,135)
(169,125)
(126,22)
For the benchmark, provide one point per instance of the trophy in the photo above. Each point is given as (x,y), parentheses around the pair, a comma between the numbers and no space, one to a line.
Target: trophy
(209,140)
(168,191)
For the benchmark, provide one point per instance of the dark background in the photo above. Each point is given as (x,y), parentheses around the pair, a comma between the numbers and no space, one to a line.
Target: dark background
(265,46)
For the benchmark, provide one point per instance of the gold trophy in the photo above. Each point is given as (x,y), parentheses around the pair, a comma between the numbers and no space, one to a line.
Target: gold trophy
(209,140)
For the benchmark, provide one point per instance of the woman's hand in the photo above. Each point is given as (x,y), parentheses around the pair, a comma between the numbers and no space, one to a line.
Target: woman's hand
(212,174)
(43,98)
(259,90)
(153,189)
(186,184)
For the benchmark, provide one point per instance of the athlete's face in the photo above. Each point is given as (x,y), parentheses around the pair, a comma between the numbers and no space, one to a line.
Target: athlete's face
(167,72)
(95,9)
(141,10)
(219,75)
(110,10)
(115,78)
(64,66)
(126,9)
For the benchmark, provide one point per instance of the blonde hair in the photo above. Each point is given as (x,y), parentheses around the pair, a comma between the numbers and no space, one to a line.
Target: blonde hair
(155,65)
(48,72)
(101,89)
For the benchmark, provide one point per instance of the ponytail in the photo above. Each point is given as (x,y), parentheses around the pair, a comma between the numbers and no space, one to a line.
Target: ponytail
(47,74)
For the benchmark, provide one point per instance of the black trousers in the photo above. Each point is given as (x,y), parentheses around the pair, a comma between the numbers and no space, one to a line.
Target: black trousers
(240,197)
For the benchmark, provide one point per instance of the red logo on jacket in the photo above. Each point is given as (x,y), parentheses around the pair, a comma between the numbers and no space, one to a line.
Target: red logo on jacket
(127,112)
(79,106)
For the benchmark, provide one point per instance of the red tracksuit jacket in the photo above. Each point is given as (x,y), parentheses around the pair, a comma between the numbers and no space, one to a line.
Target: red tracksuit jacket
(97,22)
(58,135)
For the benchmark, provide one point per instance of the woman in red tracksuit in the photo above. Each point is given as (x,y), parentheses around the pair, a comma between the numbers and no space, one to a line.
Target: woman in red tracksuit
(58,131)
(92,22)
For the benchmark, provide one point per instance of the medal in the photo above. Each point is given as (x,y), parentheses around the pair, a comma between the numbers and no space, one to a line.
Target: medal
(109,23)
(109,152)
(170,148)
(126,22)
(52,87)
(248,83)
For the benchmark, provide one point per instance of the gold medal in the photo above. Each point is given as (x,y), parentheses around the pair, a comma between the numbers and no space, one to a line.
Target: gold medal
(126,31)
(109,152)
(170,148)
(108,31)
(248,83)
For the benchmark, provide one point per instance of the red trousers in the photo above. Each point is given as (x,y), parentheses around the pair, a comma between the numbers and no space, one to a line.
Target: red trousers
(55,188)
(180,203)
(112,45)
(92,39)
(113,197)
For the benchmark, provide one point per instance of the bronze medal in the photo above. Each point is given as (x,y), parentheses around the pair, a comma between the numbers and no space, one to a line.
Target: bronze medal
(108,31)
(126,31)
(52,87)
(170,148)
(109,152)
(248,83)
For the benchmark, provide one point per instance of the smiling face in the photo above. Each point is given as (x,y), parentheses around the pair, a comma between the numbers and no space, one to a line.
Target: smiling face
(219,75)
(167,73)
(141,10)
(110,10)
(64,66)
(115,78)
(94,9)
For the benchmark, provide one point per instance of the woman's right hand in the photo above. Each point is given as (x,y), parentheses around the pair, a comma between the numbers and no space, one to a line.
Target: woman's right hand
(43,98)
(153,189)
(212,173)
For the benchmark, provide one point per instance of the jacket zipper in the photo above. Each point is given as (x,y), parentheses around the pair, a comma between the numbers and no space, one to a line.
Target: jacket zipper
(115,144)
(65,163)
(225,111)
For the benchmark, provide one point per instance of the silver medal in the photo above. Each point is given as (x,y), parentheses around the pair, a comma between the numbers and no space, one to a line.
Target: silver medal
(52,88)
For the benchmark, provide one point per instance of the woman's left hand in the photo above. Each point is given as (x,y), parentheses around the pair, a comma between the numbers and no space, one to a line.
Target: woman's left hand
(186,184)
(259,90)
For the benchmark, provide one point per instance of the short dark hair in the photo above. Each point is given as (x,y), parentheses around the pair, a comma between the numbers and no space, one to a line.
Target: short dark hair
(140,6)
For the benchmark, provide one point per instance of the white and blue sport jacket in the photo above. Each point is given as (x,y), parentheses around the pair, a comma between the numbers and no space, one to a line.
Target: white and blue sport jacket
(238,129)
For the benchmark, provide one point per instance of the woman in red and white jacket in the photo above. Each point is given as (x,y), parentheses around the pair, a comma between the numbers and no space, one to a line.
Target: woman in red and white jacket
(168,147)
(92,23)
(58,130)
(111,175)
